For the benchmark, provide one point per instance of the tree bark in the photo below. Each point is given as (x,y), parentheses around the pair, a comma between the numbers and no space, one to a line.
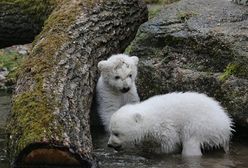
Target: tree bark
(49,122)
(22,20)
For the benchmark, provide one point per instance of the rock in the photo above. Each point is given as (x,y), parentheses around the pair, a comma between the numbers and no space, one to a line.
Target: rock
(241,2)
(2,78)
(4,71)
(23,49)
(197,45)
(3,74)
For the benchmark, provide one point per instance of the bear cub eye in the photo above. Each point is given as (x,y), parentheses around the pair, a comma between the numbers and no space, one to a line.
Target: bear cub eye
(117,77)
(116,134)
(130,75)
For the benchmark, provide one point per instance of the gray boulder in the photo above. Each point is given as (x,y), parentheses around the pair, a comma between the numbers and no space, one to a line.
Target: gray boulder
(3,74)
(197,45)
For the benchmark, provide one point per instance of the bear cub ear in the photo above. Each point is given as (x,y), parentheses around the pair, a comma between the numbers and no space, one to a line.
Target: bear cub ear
(103,65)
(135,59)
(137,117)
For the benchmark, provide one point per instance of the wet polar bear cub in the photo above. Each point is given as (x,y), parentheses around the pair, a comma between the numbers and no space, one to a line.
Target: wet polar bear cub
(190,120)
(116,85)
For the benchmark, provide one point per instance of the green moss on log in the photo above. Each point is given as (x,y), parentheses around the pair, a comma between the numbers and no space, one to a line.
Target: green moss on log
(32,112)
(33,109)
(55,33)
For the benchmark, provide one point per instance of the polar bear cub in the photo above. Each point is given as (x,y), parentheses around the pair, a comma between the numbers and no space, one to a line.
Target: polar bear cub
(191,120)
(116,85)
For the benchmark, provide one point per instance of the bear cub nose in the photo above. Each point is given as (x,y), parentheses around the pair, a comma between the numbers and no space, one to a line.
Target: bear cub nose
(125,89)
(117,148)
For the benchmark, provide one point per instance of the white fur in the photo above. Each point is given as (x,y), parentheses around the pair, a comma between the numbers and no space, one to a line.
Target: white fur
(190,120)
(109,95)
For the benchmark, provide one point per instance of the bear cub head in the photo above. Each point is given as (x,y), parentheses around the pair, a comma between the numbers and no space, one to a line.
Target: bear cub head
(119,72)
(126,128)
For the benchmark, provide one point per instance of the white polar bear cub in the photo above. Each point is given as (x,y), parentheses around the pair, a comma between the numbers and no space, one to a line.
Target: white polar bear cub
(116,85)
(190,120)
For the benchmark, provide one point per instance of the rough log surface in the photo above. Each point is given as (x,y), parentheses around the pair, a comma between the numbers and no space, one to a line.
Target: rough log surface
(22,20)
(55,86)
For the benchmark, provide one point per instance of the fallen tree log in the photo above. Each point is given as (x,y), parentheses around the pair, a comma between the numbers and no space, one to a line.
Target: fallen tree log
(22,20)
(49,122)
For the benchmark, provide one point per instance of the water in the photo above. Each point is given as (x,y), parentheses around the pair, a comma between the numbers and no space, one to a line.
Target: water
(108,158)
(4,111)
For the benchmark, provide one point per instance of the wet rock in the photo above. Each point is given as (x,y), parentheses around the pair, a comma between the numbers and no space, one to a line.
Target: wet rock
(197,45)
(2,78)
(3,74)
(241,2)
(23,49)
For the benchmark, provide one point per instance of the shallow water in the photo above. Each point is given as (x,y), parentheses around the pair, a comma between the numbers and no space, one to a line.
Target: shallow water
(108,158)
(4,111)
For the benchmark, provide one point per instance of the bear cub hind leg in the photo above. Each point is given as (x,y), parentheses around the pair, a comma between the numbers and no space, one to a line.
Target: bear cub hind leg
(191,147)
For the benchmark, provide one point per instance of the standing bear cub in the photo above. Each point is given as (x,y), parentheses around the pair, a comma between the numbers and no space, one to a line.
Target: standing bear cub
(189,120)
(116,85)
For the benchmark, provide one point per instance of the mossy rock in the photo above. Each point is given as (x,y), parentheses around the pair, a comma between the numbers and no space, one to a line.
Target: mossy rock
(37,11)
(185,48)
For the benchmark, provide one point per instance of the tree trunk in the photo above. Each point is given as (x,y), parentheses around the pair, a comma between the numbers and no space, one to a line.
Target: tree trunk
(21,21)
(49,122)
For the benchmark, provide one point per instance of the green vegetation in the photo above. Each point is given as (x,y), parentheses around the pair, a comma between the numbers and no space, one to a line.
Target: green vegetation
(153,10)
(185,15)
(156,5)
(10,59)
(235,70)
(153,1)
(160,1)
(230,70)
